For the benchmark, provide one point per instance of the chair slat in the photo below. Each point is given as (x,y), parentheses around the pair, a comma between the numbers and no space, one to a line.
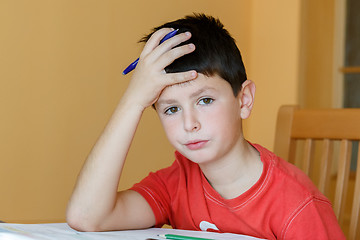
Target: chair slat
(342,178)
(292,151)
(308,150)
(325,165)
(354,221)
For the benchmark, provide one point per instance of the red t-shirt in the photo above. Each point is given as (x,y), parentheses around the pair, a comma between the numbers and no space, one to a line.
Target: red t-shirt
(282,204)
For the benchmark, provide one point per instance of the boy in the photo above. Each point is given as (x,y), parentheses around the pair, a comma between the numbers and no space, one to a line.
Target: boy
(197,83)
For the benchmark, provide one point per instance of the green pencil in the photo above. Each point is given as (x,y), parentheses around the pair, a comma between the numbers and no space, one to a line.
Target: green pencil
(180,237)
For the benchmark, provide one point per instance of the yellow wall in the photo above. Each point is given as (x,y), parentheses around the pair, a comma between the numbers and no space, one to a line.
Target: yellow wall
(317,51)
(274,64)
(60,75)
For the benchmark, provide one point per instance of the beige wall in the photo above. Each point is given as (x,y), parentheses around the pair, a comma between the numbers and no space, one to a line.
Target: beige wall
(60,75)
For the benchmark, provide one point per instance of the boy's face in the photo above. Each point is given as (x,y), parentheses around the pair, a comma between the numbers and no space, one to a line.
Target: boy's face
(201,118)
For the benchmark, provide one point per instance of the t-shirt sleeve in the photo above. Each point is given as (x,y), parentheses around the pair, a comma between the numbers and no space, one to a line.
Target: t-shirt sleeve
(314,219)
(154,188)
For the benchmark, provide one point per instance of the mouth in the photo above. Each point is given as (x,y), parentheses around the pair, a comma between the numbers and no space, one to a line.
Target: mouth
(196,145)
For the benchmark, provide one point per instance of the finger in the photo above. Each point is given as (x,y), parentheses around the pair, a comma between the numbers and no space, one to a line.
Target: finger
(169,44)
(154,40)
(170,56)
(175,78)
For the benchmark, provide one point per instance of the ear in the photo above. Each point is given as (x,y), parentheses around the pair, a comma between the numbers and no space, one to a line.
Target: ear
(246,98)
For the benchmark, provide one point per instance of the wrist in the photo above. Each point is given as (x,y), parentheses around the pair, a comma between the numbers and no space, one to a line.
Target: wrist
(129,101)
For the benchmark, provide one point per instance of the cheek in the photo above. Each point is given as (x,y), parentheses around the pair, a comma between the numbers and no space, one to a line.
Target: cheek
(224,119)
(224,114)
(170,127)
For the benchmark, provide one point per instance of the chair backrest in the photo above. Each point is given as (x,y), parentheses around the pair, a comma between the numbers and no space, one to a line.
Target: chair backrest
(334,132)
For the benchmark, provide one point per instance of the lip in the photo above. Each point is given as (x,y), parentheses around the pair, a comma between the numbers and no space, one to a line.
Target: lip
(196,145)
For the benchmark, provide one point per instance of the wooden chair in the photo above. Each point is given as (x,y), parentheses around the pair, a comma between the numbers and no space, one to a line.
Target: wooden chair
(337,130)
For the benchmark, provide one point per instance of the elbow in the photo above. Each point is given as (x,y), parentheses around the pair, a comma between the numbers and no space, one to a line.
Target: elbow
(81,226)
(80,223)
(75,225)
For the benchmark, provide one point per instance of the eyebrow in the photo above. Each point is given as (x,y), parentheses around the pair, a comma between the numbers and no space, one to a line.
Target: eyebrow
(200,91)
(192,95)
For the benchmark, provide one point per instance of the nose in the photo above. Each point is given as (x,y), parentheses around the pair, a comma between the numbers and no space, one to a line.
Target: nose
(191,121)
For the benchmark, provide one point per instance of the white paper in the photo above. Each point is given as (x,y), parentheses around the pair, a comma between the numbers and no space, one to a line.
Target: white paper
(61,231)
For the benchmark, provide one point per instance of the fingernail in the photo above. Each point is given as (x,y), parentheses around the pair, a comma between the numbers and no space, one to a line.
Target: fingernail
(187,33)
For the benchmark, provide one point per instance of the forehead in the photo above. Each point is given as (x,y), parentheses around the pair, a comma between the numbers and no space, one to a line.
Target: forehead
(201,84)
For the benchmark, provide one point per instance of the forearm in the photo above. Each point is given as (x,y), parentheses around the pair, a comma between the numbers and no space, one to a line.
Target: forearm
(94,196)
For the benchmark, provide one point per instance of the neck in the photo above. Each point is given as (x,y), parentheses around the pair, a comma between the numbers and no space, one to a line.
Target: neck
(236,172)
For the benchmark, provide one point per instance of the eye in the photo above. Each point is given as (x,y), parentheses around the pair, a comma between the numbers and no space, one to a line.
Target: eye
(171,110)
(205,101)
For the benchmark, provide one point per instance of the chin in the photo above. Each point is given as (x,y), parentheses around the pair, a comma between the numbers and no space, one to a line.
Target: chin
(198,156)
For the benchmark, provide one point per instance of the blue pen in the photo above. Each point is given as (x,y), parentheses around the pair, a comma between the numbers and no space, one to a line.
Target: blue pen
(132,66)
